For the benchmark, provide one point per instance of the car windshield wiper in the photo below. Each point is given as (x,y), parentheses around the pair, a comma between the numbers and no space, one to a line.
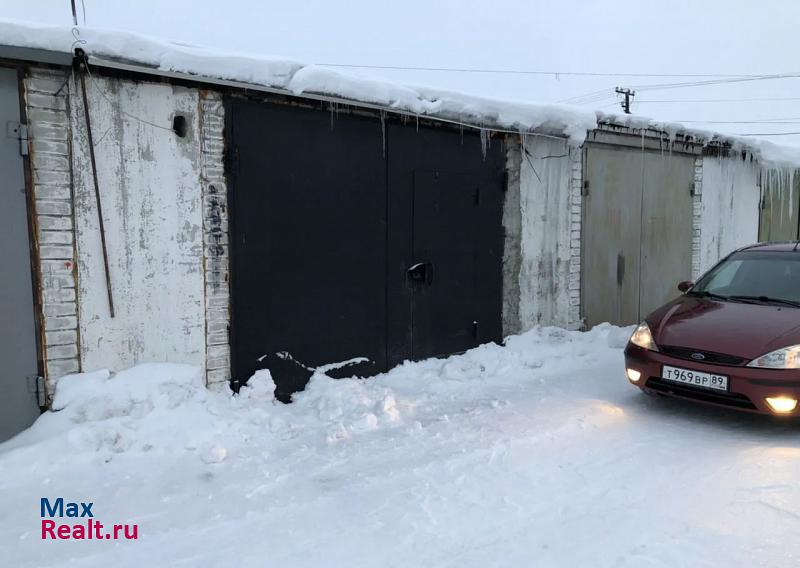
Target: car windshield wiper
(711,295)
(767,299)
(721,298)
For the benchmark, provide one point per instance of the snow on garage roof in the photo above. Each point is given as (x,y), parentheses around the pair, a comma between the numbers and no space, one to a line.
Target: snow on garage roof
(115,48)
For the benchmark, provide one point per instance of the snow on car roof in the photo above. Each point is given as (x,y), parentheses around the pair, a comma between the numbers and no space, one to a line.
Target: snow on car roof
(293,77)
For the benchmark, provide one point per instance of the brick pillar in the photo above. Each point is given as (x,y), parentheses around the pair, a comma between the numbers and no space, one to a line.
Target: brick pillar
(46,103)
(215,238)
(697,209)
(574,320)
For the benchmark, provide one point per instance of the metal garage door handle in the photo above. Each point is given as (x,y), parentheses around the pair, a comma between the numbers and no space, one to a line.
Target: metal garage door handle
(421,272)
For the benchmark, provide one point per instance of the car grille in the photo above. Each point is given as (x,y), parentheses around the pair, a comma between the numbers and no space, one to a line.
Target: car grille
(725,398)
(708,356)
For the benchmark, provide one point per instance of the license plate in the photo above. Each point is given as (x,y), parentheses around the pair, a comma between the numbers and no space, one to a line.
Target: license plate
(694,378)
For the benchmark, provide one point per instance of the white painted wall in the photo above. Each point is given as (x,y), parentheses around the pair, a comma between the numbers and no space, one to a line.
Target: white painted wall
(152,205)
(730,206)
(546,224)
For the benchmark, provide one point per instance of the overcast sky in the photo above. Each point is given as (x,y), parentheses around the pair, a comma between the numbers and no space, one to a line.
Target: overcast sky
(728,37)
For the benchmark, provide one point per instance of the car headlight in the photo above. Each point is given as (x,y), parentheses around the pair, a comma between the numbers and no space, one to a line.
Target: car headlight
(643,338)
(786,358)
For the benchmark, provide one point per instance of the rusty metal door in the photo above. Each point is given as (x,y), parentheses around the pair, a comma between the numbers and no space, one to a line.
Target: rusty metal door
(780,206)
(18,370)
(612,234)
(666,256)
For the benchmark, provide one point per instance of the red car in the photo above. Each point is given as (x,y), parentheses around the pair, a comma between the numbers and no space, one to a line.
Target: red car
(732,339)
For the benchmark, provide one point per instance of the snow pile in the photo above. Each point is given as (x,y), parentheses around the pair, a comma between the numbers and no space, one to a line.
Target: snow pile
(129,411)
(165,408)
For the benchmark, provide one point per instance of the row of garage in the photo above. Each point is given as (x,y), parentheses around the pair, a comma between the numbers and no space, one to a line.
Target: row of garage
(273,231)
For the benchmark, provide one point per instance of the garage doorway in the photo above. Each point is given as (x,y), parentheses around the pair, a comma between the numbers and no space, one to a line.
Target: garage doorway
(358,239)
(637,231)
(18,345)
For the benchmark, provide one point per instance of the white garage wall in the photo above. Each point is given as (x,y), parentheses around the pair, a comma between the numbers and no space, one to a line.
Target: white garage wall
(730,206)
(546,224)
(152,206)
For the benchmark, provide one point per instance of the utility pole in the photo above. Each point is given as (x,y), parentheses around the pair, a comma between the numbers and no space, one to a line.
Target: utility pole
(626,102)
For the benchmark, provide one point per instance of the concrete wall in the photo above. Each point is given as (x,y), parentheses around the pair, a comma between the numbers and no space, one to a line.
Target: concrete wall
(546,232)
(512,247)
(151,195)
(542,223)
(729,207)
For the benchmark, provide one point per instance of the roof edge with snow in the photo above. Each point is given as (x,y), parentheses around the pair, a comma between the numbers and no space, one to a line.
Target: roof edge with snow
(134,52)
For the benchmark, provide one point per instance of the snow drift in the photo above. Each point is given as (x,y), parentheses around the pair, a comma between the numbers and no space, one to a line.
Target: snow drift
(166,407)
(536,453)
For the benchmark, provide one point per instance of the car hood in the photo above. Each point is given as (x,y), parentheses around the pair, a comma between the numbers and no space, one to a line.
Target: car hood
(733,328)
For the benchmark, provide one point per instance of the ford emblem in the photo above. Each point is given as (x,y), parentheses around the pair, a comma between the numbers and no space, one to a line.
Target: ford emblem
(698,356)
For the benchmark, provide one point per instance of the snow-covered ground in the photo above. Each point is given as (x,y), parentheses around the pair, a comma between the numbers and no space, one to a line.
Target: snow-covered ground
(534,454)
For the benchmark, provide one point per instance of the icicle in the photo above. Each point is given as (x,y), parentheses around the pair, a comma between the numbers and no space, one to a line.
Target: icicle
(484,141)
(332,110)
(383,131)
(417,122)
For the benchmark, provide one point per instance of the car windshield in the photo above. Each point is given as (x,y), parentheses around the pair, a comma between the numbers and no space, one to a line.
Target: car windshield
(754,275)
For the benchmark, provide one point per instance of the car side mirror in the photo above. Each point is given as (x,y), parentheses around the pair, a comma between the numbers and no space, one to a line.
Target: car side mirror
(684,286)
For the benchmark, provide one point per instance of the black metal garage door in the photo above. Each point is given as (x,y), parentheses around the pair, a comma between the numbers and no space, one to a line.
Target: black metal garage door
(356,239)
(446,246)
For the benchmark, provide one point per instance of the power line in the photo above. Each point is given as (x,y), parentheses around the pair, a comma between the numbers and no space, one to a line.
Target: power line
(753,100)
(596,96)
(791,120)
(532,72)
(743,79)
(767,133)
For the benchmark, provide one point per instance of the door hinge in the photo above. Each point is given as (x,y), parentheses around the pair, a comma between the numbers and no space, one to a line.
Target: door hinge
(20,132)
(36,386)
(585,188)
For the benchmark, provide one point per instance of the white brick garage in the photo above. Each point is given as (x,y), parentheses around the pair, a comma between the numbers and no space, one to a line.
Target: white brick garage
(164,207)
